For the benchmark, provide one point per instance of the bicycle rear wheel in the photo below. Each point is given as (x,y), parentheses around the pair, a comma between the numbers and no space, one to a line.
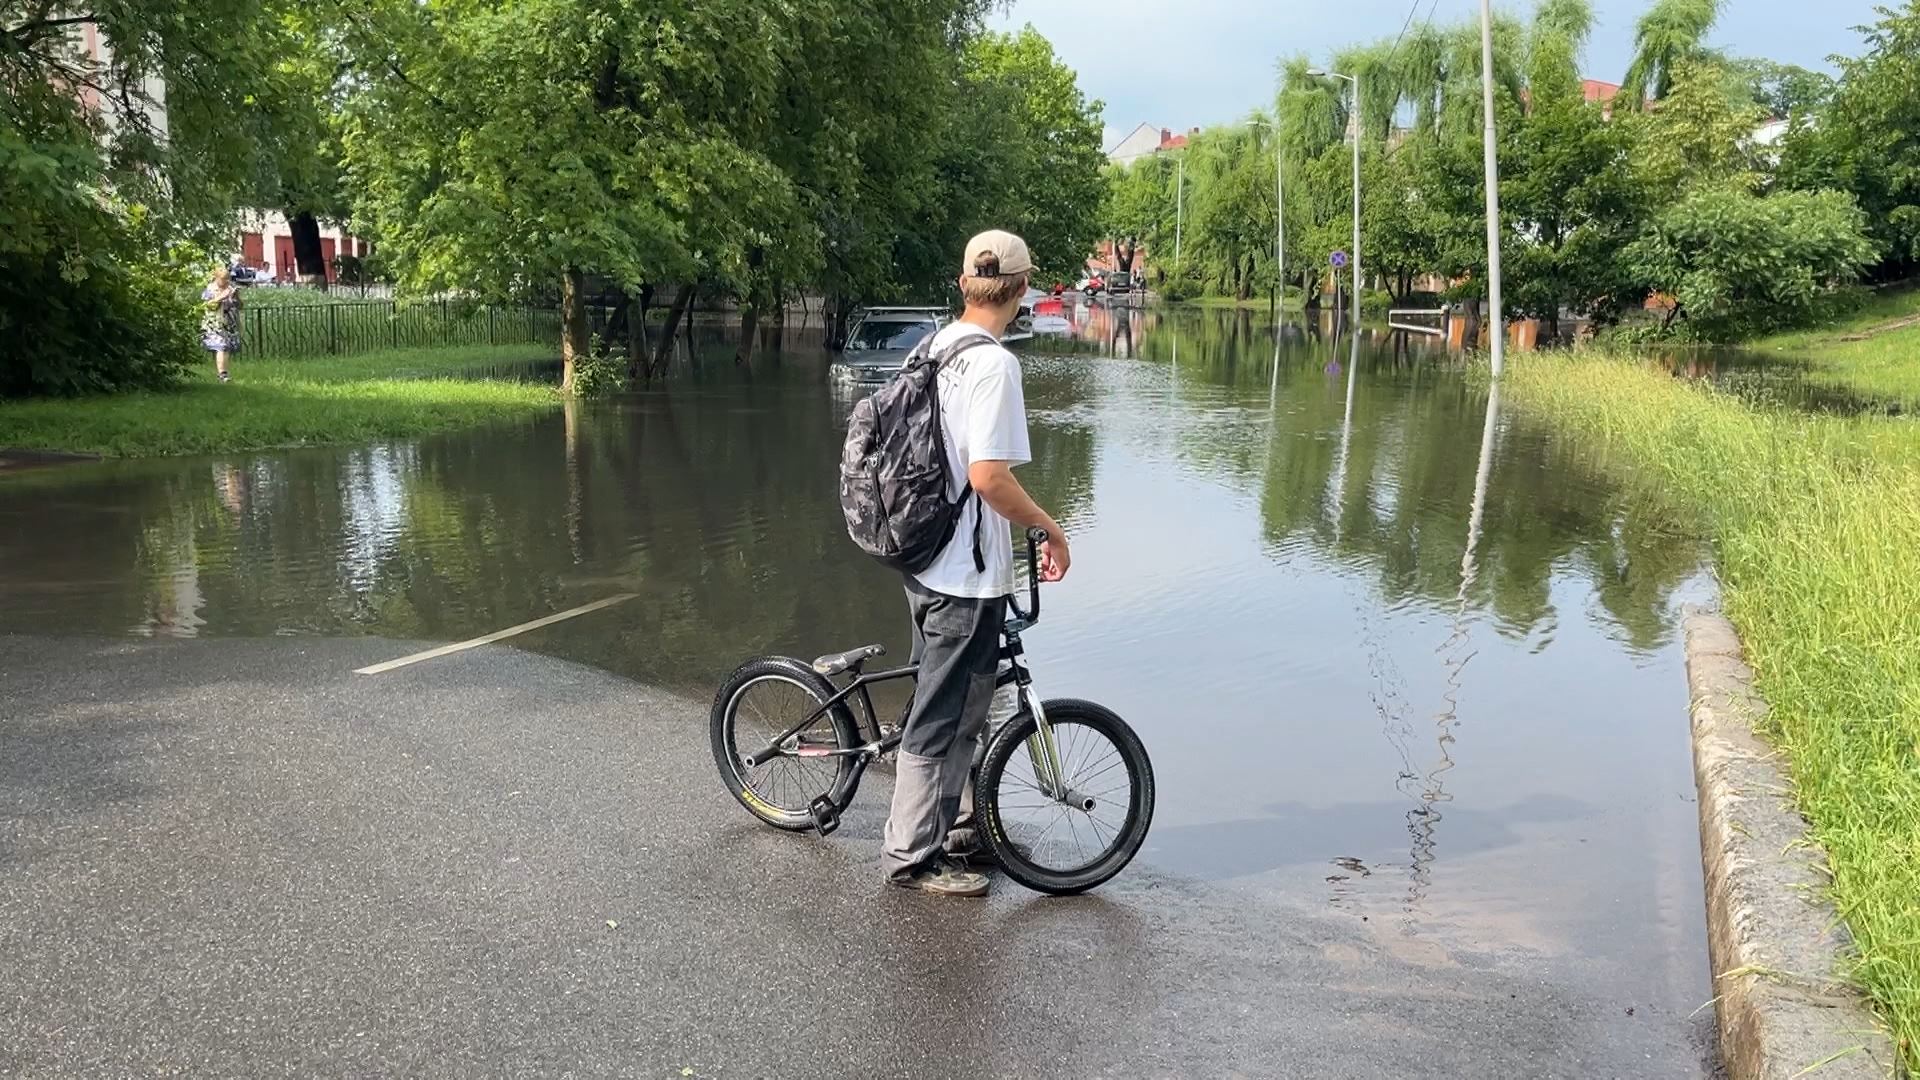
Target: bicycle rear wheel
(761,699)
(1065,842)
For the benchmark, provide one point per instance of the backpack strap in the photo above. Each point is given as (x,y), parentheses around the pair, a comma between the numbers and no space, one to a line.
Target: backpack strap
(939,360)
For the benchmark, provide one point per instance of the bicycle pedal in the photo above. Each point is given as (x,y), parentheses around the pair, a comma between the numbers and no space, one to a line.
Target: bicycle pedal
(825,813)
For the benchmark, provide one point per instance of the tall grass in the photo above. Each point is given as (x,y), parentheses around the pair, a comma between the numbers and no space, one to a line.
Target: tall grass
(1816,521)
(291,403)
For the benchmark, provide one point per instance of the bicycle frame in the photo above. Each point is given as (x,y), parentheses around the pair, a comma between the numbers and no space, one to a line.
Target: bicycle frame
(1042,751)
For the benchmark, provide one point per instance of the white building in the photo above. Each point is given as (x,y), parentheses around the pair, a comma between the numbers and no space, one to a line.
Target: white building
(1144,141)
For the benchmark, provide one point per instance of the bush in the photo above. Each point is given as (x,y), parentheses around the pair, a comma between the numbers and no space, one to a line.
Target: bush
(1185,285)
(108,321)
(600,372)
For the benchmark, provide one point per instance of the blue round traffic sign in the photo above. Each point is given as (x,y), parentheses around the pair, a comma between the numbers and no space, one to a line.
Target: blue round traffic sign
(1339,259)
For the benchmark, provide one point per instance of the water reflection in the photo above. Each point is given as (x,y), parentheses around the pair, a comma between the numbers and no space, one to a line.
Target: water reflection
(1355,612)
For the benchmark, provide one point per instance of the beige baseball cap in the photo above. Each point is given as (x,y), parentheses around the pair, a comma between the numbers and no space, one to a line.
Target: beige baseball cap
(1006,249)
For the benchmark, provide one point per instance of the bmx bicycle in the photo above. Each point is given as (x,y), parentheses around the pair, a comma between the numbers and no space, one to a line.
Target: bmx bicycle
(1063,793)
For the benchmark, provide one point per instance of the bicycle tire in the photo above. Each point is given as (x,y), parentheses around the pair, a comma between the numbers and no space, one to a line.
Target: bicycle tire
(724,722)
(1020,865)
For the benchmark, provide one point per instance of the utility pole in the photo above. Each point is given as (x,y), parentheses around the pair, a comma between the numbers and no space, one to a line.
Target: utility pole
(1498,325)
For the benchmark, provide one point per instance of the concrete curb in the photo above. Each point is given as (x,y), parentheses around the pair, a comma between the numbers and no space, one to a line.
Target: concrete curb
(1775,943)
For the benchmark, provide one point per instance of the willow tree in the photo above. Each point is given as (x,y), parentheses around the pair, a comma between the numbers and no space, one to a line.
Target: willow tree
(1671,33)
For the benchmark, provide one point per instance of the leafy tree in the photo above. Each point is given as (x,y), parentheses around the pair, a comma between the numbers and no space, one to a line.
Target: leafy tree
(104,197)
(1785,91)
(1736,262)
(1867,140)
(1048,188)
(1568,192)
(499,150)
(1137,210)
(1701,134)
(1396,220)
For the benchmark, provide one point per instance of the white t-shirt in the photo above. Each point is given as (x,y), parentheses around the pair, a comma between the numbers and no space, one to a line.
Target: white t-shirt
(984,416)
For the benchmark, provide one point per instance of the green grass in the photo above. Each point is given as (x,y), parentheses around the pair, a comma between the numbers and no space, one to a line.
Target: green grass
(270,403)
(1816,523)
(1885,364)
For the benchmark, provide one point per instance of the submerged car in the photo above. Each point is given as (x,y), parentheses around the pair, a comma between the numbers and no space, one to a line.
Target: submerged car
(882,337)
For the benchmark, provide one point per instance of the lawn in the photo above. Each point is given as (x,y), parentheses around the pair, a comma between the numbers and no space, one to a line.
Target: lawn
(273,403)
(1816,522)
(1875,351)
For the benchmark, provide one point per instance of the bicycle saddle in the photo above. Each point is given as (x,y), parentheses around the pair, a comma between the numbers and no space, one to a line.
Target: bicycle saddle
(835,663)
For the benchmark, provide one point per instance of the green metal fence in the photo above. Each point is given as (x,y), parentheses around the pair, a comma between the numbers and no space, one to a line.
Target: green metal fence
(293,331)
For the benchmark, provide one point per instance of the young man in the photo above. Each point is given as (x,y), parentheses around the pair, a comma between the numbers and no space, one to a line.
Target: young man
(958,607)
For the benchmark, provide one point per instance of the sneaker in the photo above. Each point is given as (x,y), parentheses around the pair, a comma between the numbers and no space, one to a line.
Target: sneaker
(226,376)
(945,880)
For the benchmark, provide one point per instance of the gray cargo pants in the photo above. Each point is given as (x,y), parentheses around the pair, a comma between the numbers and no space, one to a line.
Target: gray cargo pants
(956,642)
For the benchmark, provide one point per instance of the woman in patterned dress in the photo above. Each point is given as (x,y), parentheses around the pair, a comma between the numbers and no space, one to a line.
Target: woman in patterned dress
(220,325)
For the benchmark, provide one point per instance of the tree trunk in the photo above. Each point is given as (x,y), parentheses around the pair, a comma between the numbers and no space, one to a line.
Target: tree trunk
(310,267)
(574,331)
(749,335)
(837,314)
(1471,339)
(636,338)
(1123,253)
(686,322)
(663,351)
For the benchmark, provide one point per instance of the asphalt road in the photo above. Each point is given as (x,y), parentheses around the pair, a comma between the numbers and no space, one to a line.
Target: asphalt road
(237,858)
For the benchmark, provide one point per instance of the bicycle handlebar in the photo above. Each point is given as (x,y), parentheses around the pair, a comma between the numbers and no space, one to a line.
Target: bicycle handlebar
(1035,536)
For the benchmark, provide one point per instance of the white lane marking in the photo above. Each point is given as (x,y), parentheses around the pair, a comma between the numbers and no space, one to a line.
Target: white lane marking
(461,646)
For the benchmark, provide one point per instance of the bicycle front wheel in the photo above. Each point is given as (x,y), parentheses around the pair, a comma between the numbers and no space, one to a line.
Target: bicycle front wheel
(1068,838)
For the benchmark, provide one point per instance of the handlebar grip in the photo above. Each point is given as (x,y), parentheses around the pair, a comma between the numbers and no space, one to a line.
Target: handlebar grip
(1036,535)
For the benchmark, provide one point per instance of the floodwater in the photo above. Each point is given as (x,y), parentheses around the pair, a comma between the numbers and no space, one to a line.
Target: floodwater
(1394,654)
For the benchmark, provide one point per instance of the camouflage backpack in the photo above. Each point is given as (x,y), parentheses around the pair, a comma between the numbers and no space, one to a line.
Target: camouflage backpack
(894,473)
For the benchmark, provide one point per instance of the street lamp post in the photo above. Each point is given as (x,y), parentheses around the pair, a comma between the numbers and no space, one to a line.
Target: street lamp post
(1179,203)
(1355,80)
(1493,187)
(1279,219)
(1279,214)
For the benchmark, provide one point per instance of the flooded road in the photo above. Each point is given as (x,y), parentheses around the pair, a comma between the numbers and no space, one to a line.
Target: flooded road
(1397,657)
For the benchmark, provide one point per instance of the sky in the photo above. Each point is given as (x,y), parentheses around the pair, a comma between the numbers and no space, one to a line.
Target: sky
(1192,63)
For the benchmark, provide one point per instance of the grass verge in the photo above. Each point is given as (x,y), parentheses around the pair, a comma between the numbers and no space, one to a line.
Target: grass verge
(288,403)
(1816,522)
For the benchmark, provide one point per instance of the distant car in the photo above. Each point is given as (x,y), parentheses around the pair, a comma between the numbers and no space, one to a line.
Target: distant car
(1119,284)
(881,338)
(1091,285)
(248,275)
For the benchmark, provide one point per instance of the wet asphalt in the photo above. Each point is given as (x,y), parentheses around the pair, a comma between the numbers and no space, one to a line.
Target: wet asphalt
(238,858)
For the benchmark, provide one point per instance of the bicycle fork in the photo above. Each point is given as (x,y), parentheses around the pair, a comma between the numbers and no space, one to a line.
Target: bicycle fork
(1044,752)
